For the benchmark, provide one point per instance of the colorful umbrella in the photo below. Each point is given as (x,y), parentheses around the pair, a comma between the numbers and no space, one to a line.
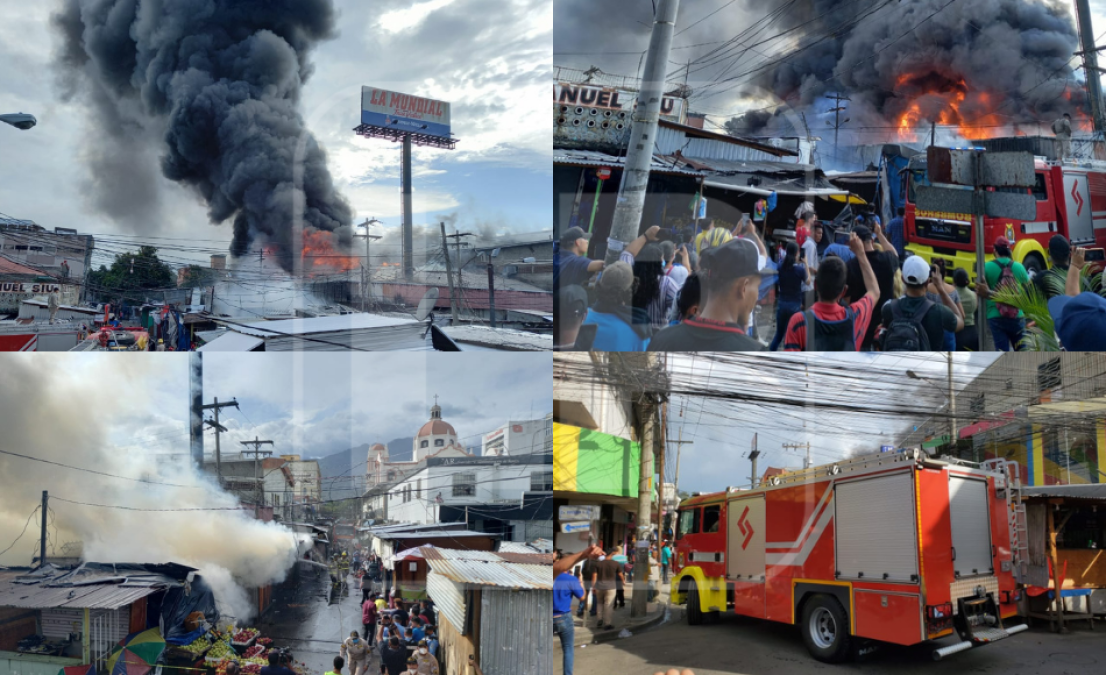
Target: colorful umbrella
(137,653)
(78,670)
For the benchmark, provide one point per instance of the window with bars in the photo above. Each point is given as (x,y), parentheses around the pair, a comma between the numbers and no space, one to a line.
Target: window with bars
(1048,376)
(464,485)
(541,481)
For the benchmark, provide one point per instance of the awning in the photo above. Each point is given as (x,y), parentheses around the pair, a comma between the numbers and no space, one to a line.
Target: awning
(722,183)
(986,425)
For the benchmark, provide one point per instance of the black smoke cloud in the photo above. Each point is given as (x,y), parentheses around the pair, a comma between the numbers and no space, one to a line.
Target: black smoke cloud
(882,54)
(219,83)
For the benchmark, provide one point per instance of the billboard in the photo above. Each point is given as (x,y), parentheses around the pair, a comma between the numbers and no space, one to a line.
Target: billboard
(567,97)
(404,112)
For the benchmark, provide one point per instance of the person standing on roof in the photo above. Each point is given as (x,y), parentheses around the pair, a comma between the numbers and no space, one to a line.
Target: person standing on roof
(1062,129)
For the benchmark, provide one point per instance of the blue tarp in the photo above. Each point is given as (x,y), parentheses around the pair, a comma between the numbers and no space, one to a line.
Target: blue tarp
(178,605)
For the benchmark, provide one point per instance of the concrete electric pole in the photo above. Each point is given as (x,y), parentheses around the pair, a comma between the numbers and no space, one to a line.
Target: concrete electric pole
(219,429)
(256,452)
(42,538)
(1090,63)
(640,595)
(643,132)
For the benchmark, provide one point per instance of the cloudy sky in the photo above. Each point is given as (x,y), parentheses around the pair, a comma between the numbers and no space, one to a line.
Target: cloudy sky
(727,79)
(490,59)
(722,431)
(326,403)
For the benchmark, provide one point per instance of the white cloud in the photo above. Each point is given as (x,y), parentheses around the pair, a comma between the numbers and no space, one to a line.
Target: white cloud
(399,20)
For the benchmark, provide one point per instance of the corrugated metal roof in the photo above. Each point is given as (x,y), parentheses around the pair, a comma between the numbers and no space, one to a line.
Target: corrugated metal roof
(1090,491)
(483,568)
(99,596)
(516,547)
(532,558)
(452,534)
(596,158)
(448,599)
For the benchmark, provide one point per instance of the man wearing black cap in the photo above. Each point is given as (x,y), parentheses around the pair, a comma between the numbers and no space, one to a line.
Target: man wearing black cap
(884,264)
(570,266)
(1059,254)
(731,281)
(571,310)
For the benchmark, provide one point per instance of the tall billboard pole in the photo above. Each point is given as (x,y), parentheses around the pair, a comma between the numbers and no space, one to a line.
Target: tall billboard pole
(409,120)
(1090,61)
(643,132)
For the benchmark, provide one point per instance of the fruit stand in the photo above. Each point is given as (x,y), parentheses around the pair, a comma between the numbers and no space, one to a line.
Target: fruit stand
(213,652)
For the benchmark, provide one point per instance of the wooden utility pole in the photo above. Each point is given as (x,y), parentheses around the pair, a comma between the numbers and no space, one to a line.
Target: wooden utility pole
(449,276)
(256,452)
(660,481)
(836,110)
(219,429)
(42,538)
(640,595)
(679,448)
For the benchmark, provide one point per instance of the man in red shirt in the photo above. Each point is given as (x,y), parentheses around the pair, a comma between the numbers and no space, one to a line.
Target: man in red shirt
(836,328)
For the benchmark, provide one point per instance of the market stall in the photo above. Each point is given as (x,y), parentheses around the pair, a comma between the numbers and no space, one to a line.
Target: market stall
(1066,527)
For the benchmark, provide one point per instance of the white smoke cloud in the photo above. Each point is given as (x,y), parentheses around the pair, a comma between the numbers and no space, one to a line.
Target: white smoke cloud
(73,411)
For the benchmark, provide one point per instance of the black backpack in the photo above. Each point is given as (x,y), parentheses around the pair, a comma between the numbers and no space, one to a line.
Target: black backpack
(906,334)
(829,336)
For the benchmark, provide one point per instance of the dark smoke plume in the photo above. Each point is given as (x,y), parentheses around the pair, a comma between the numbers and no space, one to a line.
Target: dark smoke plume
(219,81)
(1003,61)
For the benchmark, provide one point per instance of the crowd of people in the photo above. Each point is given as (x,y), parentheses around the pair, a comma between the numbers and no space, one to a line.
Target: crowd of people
(853,288)
(402,635)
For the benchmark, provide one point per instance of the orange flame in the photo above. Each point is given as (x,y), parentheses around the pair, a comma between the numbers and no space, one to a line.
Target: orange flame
(320,256)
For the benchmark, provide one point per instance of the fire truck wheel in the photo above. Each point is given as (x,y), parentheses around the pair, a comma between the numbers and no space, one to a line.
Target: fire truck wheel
(694,609)
(825,627)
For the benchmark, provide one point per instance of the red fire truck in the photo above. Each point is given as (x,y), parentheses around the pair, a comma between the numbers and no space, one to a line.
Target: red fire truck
(894,547)
(1071,200)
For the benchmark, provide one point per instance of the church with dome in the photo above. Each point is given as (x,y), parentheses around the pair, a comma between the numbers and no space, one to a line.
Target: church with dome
(435,438)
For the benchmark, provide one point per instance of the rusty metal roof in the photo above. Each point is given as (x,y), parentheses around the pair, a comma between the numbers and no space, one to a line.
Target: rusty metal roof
(484,568)
(90,585)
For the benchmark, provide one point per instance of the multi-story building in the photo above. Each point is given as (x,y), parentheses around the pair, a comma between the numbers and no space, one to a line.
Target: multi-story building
(61,252)
(307,491)
(509,496)
(606,419)
(265,481)
(1045,411)
(518,437)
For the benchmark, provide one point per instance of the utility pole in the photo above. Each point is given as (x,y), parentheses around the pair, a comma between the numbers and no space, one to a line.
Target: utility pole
(640,596)
(800,446)
(639,151)
(219,429)
(932,132)
(679,448)
(366,286)
(952,408)
(1090,63)
(837,98)
(660,484)
(256,452)
(196,406)
(491,293)
(42,537)
(449,276)
(753,454)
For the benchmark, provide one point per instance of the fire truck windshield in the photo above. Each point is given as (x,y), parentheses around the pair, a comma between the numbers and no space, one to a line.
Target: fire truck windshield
(689,522)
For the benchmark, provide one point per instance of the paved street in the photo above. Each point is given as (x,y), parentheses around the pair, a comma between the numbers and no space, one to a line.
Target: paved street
(738,645)
(301,619)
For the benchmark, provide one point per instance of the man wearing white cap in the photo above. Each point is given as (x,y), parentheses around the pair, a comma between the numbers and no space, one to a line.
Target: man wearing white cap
(914,322)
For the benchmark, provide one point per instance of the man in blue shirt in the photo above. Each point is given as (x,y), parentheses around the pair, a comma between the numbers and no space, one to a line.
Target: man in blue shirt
(894,232)
(570,264)
(565,587)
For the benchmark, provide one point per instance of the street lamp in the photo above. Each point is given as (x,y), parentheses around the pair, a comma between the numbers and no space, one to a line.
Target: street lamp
(951,394)
(21,121)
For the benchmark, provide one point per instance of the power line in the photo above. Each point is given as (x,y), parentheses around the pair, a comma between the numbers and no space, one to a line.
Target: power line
(25,526)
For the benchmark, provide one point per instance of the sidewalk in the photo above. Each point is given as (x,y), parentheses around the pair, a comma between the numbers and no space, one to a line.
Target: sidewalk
(587,633)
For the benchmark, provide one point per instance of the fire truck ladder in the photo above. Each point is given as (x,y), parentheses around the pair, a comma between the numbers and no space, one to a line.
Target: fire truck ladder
(1015,509)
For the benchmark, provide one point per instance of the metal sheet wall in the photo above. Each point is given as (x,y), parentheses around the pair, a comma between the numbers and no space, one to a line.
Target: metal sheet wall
(516,633)
(447,597)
